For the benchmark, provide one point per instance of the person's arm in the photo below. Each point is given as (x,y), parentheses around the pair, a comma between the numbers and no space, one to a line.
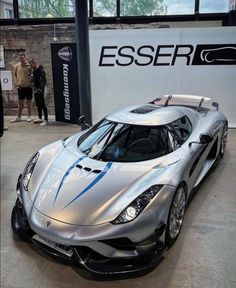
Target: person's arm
(15,73)
(31,77)
(42,80)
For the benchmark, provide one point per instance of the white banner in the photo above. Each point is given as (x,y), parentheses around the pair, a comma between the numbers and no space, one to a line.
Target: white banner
(137,66)
(6,80)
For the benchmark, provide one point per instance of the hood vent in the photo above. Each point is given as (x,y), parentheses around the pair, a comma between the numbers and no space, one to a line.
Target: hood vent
(96,171)
(144,109)
(87,169)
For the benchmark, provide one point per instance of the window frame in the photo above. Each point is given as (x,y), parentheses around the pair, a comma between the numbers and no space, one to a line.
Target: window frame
(196,16)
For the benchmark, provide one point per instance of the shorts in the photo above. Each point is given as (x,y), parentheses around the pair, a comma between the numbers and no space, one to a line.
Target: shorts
(25,93)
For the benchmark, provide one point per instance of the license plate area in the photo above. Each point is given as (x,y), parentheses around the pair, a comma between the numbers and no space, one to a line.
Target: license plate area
(58,247)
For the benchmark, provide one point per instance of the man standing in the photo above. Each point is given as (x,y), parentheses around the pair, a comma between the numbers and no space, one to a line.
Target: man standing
(39,80)
(23,83)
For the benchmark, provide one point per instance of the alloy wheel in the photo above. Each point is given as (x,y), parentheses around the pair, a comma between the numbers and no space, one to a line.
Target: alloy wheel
(177,213)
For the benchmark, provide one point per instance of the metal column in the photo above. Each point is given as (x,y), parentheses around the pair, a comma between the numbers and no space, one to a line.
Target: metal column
(82,38)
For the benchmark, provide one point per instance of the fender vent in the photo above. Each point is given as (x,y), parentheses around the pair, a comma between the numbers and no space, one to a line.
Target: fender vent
(87,169)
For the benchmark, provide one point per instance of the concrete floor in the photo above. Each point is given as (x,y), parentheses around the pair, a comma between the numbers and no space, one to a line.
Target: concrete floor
(203,256)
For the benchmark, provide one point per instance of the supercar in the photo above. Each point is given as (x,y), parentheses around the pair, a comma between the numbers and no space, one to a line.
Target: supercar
(111,198)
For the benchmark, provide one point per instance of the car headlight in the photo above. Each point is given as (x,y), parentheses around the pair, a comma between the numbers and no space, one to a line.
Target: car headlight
(29,170)
(137,206)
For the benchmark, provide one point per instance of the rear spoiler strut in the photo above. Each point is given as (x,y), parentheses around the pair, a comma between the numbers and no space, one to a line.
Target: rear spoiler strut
(198,100)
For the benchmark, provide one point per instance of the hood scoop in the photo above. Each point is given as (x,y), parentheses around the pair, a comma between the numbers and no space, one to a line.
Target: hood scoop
(90,170)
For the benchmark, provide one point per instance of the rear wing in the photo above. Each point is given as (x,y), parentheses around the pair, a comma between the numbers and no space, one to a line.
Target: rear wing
(184,100)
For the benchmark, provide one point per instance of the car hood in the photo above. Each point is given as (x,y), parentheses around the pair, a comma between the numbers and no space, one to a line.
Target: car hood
(78,190)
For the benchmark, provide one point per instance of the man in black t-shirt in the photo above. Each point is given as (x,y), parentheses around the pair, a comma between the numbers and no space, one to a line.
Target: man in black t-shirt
(39,82)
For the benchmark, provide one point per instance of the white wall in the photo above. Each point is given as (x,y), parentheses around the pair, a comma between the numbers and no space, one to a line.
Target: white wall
(116,86)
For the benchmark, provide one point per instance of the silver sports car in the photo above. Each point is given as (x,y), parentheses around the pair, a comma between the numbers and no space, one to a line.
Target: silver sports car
(111,198)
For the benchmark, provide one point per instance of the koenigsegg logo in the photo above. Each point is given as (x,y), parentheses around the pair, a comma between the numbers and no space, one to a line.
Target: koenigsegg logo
(65,53)
(168,55)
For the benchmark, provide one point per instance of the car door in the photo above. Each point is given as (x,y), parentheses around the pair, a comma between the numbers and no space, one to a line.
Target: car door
(198,155)
(195,155)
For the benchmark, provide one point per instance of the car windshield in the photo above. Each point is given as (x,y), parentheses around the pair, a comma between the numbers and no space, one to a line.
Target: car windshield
(118,142)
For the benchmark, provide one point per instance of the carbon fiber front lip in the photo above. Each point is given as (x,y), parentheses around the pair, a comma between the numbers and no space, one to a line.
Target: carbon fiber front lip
(124,267)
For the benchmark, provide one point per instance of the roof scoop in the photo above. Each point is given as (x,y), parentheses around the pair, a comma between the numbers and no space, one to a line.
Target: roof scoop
(144,109)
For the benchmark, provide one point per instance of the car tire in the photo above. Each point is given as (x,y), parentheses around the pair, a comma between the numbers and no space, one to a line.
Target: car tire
(176,215)
(223,140)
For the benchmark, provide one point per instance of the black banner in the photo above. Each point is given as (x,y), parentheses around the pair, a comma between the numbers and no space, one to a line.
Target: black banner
(65,83)
(215,54)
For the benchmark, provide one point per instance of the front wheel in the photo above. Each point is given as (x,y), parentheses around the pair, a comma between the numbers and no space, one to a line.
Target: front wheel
(176,215)
(223,140)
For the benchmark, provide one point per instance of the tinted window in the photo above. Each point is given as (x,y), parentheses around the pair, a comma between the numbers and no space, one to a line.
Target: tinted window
(94,139)
(181,129)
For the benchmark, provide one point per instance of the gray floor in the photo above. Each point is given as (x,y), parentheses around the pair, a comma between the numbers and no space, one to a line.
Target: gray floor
(203,256)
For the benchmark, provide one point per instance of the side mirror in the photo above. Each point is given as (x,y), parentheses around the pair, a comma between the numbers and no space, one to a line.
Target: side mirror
(82,123)
(205,138)
(81,120)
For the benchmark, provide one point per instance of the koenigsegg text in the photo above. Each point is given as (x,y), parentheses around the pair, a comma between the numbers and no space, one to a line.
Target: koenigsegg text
(66,92)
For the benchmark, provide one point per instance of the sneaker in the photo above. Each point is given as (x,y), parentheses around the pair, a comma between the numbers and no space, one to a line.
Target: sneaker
(17,119)
(44,123)
(38,120)
(29,119)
